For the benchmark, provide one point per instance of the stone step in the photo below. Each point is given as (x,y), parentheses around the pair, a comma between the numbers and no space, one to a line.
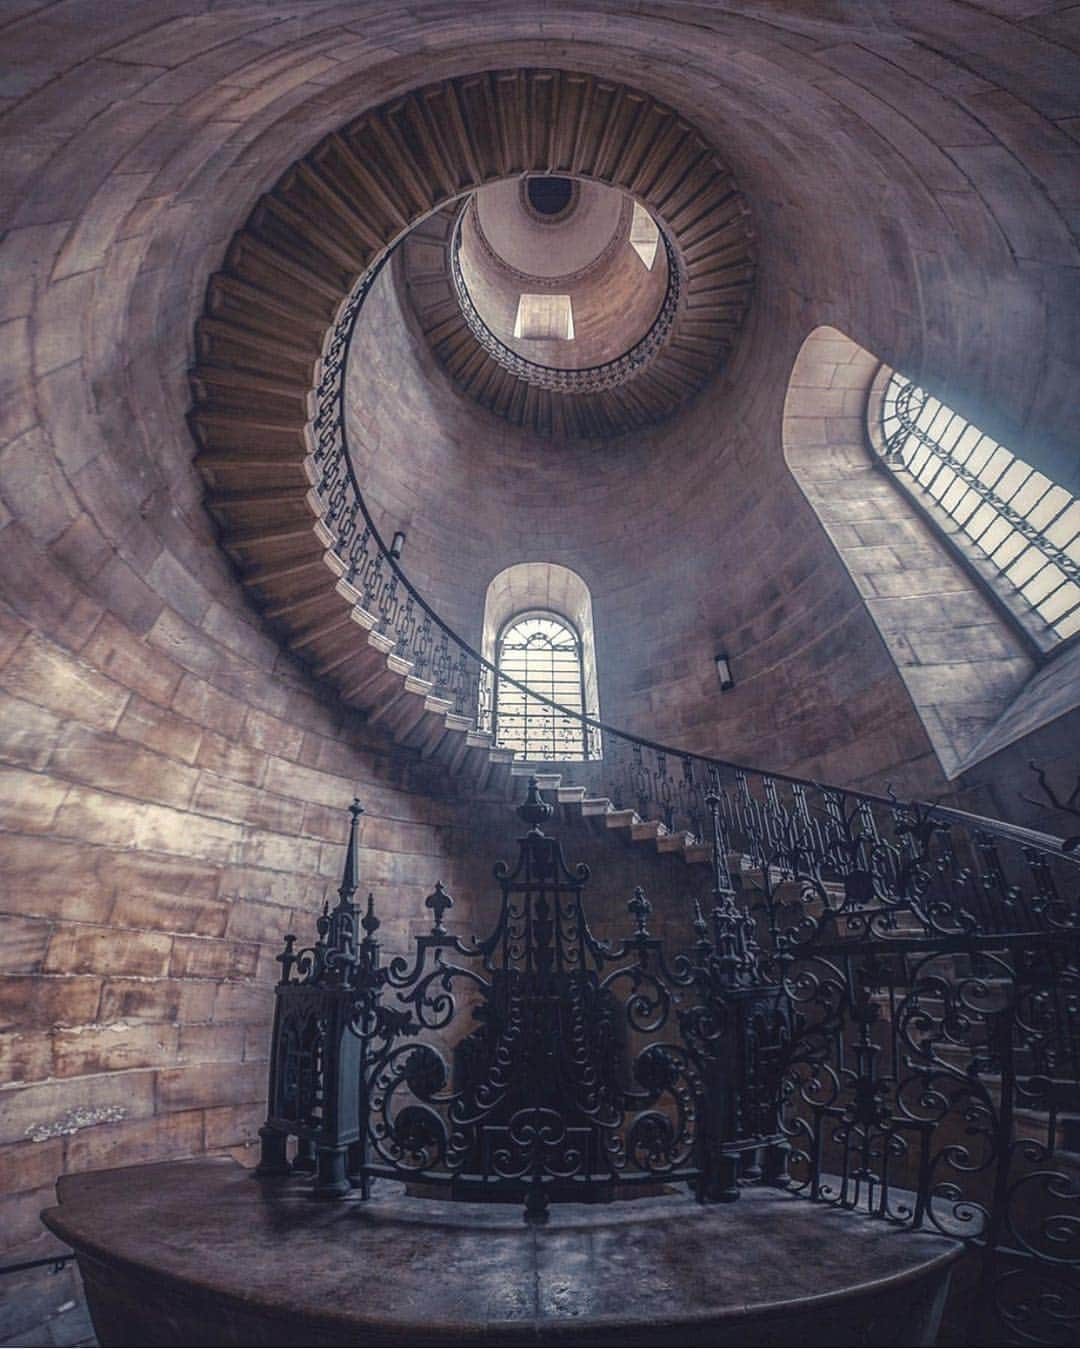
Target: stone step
(284,279)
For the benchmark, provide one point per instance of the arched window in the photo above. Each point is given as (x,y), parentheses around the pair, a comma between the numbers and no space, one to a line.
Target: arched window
(542,650)
(965,557)
(1020,530)
(538,629)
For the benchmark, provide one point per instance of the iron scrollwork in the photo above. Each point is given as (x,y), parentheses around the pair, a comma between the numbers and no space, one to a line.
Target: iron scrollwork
(541,1062)
(874,1008)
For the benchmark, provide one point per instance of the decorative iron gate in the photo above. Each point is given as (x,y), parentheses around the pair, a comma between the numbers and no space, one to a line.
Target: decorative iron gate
(887,1024)
(594,1066)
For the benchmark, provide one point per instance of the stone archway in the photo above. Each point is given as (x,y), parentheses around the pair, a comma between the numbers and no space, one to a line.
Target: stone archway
(551,587)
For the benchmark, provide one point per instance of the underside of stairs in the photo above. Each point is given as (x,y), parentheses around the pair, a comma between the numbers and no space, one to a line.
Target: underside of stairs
(715,286)
(308,243)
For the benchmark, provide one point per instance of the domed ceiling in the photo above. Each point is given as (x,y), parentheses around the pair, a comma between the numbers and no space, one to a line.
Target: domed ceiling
(548,294)
(564,290)
(570,305)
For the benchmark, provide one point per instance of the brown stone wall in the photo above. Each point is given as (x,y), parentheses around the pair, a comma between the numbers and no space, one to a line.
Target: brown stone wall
(159,836)
(174,781)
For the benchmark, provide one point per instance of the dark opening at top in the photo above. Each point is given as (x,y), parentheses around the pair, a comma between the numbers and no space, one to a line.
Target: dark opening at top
(549,196)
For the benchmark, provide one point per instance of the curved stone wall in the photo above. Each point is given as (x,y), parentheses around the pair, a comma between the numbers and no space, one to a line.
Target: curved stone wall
(692,540)
(708,509)
(173,782)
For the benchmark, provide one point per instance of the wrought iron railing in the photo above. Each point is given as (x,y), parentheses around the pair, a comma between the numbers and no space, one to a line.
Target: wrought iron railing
(582,1067)
(1024,529)
(803,1021)
(658,782)
(930,958)
(589,379)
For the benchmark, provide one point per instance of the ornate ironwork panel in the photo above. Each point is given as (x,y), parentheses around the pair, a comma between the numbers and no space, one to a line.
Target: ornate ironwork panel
(541,1062)
(873,1009)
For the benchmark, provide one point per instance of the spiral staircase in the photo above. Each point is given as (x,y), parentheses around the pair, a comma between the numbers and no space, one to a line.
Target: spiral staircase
(333,217)
(931,955)
(327,222)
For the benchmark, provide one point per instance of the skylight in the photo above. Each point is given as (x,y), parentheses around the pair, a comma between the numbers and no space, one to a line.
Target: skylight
(545,316)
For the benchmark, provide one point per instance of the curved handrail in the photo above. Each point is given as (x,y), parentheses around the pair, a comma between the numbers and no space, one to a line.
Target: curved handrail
(466,678)
(586,379)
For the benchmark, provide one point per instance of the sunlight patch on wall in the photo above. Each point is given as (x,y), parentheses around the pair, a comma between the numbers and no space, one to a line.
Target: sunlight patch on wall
(545,316)
(644,235)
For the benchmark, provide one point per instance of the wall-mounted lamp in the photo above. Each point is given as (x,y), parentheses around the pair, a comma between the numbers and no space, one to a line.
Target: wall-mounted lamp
(397,545)
(723,673)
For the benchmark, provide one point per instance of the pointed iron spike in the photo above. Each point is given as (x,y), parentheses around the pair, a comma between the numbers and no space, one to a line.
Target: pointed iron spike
(700,926)
(350,876)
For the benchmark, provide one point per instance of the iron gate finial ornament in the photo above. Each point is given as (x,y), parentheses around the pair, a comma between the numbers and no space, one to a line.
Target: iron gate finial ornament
(578,1069)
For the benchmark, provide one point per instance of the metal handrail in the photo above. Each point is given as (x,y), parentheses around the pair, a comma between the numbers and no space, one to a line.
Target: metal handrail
(344,511)
(55,1264)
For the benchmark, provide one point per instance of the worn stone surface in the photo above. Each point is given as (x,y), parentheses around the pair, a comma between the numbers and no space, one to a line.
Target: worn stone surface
(438,1273)
(176,777)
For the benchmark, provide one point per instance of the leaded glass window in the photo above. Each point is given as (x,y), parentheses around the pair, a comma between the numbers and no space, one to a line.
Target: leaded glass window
(543,652)
(1020,529)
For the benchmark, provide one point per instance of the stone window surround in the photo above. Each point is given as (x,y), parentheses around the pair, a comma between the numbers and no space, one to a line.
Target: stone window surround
(550,587)
(544,318)
(977,681)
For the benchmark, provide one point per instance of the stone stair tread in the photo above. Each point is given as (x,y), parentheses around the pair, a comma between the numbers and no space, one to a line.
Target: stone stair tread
(678,840)
(622,819)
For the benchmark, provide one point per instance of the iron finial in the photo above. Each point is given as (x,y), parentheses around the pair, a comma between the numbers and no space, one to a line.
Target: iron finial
(370,922)
(534,809)
(438,902)
(640,907)
(350,874)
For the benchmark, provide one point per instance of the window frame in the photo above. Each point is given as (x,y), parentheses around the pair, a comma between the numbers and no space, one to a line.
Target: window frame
(523,615)
(1007,597)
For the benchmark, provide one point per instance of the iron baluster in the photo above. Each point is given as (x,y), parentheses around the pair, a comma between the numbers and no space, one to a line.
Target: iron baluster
(664,794)
(441,663)
(388,605)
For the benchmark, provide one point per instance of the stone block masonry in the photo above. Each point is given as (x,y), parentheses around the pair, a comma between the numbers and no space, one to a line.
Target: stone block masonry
(172,776)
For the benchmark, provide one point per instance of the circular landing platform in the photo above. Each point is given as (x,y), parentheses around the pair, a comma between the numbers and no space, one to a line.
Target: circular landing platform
(201,1253)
